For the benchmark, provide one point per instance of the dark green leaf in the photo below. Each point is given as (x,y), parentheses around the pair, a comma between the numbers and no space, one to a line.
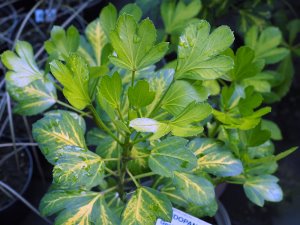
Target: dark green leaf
(171,155)
(111,89)
(140,95)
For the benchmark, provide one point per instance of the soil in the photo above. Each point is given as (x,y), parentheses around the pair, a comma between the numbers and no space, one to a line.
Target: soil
(13,175)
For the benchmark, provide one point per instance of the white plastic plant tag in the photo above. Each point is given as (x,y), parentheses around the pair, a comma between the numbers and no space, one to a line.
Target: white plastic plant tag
(182,218)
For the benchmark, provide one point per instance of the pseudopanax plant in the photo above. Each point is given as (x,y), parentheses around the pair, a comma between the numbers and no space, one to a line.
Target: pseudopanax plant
(163,136)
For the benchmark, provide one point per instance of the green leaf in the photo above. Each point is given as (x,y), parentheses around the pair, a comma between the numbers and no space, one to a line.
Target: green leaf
(245,65)
(294,28)
(266,44)
(159,83)
(263,188)
(194,188)
(177,16)
(146,206)
(77,207)
(171,155)
(134,44)
(96,36)
(34,98)
(53,133)
(199,52)
(133,10)
(62,43)
(94,136)
(77,167)
(140,95)
(180,95)
(22,67)
(111,89)
(74,76)
(255,136)
(108,18)
(194,112)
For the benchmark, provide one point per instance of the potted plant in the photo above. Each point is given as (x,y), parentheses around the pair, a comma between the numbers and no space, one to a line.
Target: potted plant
(160,137)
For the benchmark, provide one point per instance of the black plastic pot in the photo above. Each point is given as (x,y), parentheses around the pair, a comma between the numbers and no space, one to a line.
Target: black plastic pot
(15,210)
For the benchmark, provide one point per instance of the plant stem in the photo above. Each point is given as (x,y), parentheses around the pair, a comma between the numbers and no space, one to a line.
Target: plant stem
(133,178)
(141,139)
(73,108)
(100,124)
(111,159)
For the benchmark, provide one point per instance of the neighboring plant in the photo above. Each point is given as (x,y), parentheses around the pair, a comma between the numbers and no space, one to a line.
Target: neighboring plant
(164,136)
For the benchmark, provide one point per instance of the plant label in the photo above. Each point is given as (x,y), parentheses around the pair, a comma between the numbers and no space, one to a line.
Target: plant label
(182,218)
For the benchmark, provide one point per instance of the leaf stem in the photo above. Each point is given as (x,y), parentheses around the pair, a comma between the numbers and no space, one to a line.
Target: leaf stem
(73,108)
(142,139)
(149,174)
(111,172)
(109,190)
(133,178)
(100,124)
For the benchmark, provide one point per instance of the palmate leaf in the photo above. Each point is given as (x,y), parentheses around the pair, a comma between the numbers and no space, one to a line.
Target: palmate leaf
(266,45)
(22,67)
(171,155)
(145,207)
(111,89)
(97,38)
(77,167)
(263,188)
(140,95)
(34,98)
(193,188)
(62,43)
(52,133)
(177,16)
(159,83)
(74,76)
(77,207)
(134,44)
(199,53)
(181,94)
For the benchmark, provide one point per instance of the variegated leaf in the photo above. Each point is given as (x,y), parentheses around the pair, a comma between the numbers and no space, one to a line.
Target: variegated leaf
(34,98)
(77,168)
(171,155)
(97,38)
(53,133)
(22,67)
(145,207)
(59,113)
(263,188)
(195,189)
(77,207)
(214,158)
